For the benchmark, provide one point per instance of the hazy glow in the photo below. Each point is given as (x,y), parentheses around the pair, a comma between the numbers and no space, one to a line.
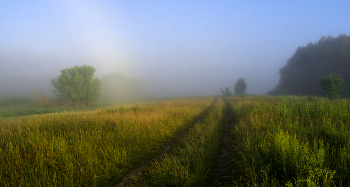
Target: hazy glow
(175,48)
(94,31)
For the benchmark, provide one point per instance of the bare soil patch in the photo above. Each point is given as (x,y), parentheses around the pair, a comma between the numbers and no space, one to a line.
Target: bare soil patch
(221,169)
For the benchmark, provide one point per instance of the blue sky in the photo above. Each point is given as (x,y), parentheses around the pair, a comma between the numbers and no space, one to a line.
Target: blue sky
(175,47)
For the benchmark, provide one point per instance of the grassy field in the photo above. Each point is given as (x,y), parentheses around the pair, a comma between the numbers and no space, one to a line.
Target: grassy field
(93,148)
(291,141)
(188,164)
(277,141)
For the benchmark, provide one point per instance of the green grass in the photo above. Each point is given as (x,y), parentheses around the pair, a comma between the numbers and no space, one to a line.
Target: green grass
(91,148)
(277,141)
(290,141)
(189,163)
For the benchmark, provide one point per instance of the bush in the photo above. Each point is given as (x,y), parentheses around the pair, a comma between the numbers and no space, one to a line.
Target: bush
(226,92)
(77,85)
(332,85)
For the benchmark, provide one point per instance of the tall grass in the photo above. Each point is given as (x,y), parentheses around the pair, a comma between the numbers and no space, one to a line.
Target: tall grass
(290,141)
(189,163)
(93,148)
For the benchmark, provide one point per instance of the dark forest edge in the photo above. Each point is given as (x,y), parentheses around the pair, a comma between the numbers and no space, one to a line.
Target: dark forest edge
(309,64)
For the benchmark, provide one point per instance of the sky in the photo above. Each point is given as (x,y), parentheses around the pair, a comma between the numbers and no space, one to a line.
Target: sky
(175,48)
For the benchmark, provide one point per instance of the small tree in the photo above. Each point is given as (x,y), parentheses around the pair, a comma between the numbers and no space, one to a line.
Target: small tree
(332,85)
(226,92)
(77,85)
(240,87)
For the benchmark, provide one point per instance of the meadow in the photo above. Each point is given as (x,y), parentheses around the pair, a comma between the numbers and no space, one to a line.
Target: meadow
(276,141)
(290,141)
(189,163)
(90,148)
(25,105)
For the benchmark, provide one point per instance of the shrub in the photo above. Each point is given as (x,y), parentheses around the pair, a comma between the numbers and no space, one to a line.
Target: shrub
(226,92)
(332,85)
(77,85)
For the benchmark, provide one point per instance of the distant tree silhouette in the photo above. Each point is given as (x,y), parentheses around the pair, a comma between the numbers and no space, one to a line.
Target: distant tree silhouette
(306,68)
(240,87)
(226,92)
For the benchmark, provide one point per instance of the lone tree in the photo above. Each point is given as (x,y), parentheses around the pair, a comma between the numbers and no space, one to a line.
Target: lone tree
(332,85)
(77,85)
(240,87)
(226,92)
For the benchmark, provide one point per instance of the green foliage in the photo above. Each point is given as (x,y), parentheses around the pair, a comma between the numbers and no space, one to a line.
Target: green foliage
(240,87)
(77,85)
(332,85)
(306,68)
(226,92)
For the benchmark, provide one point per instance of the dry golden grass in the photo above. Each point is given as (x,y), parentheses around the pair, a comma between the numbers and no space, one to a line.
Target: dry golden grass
(93,148)
(190,162)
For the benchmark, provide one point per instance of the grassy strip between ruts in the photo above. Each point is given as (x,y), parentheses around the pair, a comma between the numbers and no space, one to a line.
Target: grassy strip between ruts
(90,148)
(291,141)
(189,163)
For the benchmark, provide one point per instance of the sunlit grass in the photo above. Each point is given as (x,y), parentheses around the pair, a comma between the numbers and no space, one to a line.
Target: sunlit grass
(278,141)
(189,163)
(290,141)
(92,148)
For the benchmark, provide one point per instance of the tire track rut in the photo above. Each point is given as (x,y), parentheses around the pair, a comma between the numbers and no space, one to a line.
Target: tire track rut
(221,169)
(138,171)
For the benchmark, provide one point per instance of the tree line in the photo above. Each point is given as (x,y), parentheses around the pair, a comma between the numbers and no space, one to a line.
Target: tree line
(304,74)
(310,64)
